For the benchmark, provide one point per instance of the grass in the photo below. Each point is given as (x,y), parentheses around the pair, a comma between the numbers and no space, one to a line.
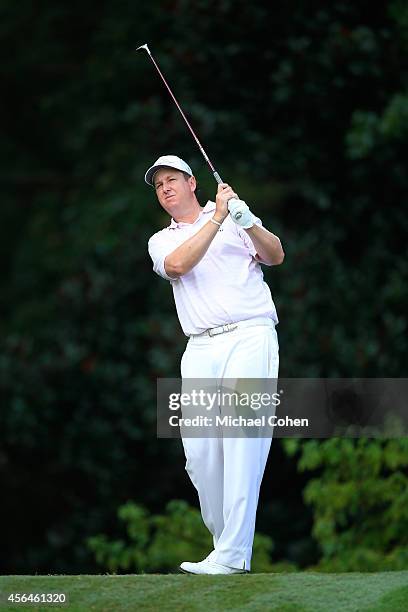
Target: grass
(291,592)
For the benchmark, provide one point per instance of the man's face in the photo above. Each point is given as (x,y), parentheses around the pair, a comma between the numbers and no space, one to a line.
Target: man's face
(174,191)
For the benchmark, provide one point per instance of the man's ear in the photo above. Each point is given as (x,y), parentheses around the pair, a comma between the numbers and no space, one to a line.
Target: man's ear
(193,183)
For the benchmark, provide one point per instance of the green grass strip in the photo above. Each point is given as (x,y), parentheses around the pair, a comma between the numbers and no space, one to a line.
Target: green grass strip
(291,592)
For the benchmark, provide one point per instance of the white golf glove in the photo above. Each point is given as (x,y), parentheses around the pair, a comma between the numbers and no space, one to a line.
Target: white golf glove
(240,213)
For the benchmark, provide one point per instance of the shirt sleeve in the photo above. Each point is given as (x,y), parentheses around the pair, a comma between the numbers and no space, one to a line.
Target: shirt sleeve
(159,248)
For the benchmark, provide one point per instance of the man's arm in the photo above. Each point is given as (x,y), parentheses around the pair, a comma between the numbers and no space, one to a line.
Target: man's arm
(187,255)
(268,246)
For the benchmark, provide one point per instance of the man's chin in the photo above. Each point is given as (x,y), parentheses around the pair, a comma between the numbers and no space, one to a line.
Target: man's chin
(170,205)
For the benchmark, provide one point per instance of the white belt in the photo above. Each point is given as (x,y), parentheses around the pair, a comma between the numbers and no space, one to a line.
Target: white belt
(228,327)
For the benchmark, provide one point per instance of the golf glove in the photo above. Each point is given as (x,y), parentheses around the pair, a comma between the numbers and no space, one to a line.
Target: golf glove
(240,213)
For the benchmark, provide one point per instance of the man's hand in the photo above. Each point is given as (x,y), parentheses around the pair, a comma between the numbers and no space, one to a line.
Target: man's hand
(240,213)
(224,194)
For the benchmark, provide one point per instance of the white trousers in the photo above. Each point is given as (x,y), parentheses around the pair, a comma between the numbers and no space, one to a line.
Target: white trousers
(227,472)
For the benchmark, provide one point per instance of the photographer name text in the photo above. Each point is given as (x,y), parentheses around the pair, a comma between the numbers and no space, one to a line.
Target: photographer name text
(239,421)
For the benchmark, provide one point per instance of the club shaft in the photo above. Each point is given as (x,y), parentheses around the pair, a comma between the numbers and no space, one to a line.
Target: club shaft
(204,154)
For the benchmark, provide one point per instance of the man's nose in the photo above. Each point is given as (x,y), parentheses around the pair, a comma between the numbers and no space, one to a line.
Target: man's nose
(166,186)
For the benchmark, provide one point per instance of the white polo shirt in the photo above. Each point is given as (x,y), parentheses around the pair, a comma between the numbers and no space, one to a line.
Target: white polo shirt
(225,286)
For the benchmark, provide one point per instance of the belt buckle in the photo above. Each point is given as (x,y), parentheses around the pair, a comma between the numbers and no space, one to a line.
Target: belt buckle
(222,329)
(215,331)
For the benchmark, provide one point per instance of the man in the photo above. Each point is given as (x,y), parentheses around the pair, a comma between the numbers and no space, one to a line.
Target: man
(225,308)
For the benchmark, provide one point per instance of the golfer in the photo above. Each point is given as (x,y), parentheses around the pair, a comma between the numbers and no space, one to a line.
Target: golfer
(212,260)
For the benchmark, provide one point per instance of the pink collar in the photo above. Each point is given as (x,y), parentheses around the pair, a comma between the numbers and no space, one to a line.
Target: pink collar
(208,208)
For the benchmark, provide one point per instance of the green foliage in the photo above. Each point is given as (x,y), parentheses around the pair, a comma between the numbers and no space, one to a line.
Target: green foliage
(159,543)
(359,496)
(369,131)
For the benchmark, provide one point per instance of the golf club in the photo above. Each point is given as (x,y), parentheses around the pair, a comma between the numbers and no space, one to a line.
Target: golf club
(215,174)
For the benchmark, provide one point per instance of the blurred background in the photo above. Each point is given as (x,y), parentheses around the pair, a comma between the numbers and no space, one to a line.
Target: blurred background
(303,108)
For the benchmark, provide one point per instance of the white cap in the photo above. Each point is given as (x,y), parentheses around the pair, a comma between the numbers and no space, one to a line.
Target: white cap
(167,161)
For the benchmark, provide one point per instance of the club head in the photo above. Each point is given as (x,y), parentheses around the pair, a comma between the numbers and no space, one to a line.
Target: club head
(145,47)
